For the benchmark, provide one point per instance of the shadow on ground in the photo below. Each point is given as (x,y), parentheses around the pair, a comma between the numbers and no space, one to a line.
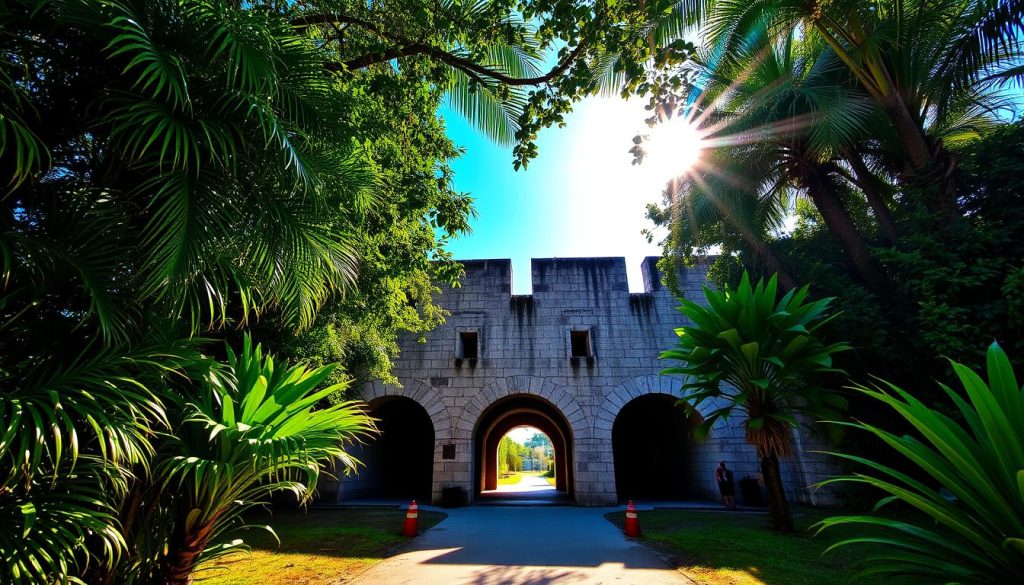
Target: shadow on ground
(524,576)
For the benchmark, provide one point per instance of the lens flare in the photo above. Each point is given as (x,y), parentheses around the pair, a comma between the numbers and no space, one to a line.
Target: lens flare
(672,148)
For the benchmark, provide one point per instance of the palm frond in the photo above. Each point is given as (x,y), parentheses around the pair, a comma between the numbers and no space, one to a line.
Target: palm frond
(983,36)
(77,242)
(16,136)
(244,40)
(159,73)
(495,115)
(46,526)
(102,400)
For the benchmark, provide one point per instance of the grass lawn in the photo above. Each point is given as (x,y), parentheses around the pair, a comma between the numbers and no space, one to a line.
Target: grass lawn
(540,473)
(318,547)
(723,548)
(509,479)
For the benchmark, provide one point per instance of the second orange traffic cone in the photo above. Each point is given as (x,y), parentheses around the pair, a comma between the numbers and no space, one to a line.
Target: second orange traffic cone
(632,521)
(411,527)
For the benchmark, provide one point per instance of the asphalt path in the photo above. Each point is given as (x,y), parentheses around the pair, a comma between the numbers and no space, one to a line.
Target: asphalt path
(516,545)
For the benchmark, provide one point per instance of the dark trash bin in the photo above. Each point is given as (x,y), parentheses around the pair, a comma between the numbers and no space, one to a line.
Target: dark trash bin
(453,497)
(750,489)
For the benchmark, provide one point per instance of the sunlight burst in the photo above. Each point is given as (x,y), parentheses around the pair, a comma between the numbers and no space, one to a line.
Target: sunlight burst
(672,148)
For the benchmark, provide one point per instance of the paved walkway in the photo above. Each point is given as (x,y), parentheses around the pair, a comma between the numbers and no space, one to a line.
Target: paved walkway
(529,491)
(523,546)
(528,483)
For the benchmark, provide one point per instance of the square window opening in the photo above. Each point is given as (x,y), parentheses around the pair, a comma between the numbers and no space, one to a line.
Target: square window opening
(580,342)
(468,345)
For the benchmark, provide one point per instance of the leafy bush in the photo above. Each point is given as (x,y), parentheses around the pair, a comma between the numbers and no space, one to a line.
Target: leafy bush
(975,537)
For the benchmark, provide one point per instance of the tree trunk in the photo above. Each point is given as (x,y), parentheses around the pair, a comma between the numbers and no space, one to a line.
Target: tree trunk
(778,508)
(910,133)
(868,184)
(842,228)
(183,555)
(930,168)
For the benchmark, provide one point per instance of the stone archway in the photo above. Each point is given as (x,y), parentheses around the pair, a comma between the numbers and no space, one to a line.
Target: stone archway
(515,411)
(422,393)
(402,461)
(654,453)
(562,409)
(399,461)
(512,412)
(466,424)
(650,402)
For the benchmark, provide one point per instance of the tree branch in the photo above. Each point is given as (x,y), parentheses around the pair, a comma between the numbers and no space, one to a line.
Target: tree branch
(407,49)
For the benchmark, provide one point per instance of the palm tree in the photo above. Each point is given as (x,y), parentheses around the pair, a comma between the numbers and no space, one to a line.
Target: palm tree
(253,430)
(752,353)
(704,209)
(782,113)
(876,191)
(911,57)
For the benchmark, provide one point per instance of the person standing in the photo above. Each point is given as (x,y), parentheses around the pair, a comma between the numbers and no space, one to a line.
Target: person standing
(726,487)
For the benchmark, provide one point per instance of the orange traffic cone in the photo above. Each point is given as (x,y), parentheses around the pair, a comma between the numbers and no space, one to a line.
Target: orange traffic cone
(411,526)
(632,521)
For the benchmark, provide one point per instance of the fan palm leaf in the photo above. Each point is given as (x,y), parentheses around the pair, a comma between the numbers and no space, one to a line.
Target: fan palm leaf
(909,56)
(791,102)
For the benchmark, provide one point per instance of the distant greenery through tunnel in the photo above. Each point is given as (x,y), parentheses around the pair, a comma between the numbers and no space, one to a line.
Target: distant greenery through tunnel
(525,449)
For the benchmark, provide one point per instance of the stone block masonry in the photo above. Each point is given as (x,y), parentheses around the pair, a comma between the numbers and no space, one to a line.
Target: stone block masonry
(577,351)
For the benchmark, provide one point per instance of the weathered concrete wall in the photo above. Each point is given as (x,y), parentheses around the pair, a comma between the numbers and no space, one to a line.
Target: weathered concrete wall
(524,348)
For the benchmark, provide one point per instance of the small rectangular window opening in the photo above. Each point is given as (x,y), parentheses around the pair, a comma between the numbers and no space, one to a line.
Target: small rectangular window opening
(448,451)
(580,341)
(468,345)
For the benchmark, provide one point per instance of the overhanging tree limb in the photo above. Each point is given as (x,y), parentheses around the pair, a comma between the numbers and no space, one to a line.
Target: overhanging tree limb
(407,48)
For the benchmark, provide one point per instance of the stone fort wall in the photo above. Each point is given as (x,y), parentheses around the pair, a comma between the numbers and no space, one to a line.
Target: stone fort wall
(524,348)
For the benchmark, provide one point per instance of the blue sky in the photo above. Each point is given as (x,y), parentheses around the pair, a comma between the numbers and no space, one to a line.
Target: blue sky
(580,197)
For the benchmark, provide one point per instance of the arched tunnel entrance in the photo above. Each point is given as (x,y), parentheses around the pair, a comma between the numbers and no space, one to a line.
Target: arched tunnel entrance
(399,462)
(654,450)
(521,411)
